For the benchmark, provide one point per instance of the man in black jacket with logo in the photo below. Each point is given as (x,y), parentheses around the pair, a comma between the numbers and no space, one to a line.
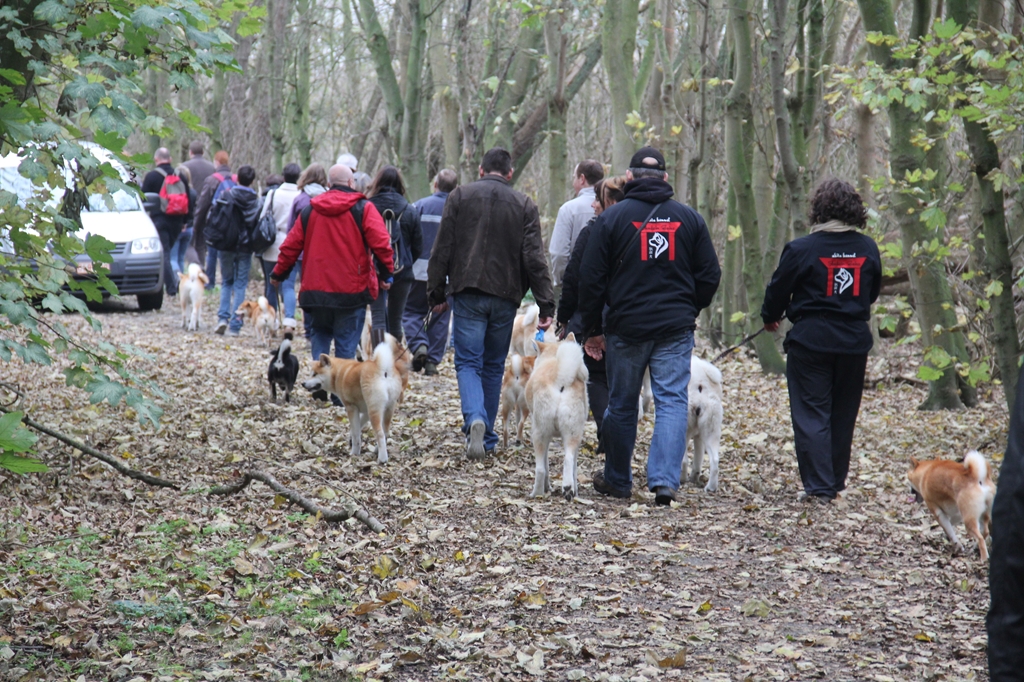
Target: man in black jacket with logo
(651,263)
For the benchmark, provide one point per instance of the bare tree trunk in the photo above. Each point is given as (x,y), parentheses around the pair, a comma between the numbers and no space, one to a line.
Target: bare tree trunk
(739,157)
(618,36)
(556,43)
(300,118)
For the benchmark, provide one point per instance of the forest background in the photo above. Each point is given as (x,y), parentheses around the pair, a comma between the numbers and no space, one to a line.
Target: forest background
(918,103)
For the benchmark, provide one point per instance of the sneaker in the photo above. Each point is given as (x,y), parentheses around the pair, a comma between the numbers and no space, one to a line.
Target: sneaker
(429,369)
(602,486)
(234,332)
(419,358)
(812,499)
(222,327)
(475,444)
(663,495)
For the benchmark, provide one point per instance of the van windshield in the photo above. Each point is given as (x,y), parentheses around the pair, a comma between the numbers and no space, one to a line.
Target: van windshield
(119,201)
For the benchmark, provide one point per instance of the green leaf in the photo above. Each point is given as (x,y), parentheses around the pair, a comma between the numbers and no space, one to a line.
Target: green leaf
(13,436)
(12,76)
(21,465)
(52,303)
(926,373)
(994,289)
(945,30)
(52,12)
(102,389)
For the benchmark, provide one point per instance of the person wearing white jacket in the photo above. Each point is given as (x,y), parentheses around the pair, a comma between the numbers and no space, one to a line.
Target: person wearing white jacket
(279,200)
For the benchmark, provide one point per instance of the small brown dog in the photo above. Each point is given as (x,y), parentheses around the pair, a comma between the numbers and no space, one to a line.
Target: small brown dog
(956,492)
(262,316)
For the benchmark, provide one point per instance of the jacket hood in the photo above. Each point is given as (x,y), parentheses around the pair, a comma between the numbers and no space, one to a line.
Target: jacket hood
(314,189)
(335,202)
(248,201)
(649,190)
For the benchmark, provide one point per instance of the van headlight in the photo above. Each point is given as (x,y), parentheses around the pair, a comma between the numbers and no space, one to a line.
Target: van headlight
(149,245)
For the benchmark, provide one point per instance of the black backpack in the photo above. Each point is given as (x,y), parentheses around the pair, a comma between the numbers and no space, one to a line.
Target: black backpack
(225,229)
(265,234)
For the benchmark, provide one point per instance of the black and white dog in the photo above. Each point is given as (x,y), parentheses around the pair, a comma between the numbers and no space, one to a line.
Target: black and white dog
(283,370)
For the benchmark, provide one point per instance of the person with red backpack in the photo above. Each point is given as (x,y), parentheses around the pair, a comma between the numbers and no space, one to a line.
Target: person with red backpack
(170,214)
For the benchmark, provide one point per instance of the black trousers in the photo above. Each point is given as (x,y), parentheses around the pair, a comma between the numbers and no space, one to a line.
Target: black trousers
(167,238)
(1006,568)
(824,398)
(597,393)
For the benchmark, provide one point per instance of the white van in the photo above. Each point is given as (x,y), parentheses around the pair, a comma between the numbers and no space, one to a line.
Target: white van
(137,267)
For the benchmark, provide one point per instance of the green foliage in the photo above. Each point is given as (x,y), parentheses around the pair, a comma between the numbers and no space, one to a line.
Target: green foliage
(73,70)
(14,438)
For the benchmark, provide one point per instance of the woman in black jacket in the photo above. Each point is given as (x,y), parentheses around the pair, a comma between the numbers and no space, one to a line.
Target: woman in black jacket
(607,192)
(387,193)
(825,284)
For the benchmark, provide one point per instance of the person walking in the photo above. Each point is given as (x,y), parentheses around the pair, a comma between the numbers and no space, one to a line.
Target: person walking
(199,167)
(180,249)
(312,183)
(336,235)
(650,261)
(231,223)
(278,203)
(168,218)
(488,252)
(573,216)
(825,284)
(362,180)
(1005,621)
(387,193)
(607,192)
(428,345)
(217,182)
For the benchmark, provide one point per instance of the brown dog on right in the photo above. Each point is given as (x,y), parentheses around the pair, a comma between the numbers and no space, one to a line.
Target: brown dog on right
(956,492)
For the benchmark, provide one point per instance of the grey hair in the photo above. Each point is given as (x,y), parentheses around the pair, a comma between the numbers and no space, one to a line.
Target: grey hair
(647,173)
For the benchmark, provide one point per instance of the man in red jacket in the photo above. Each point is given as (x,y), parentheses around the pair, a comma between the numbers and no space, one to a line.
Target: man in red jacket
(335,236)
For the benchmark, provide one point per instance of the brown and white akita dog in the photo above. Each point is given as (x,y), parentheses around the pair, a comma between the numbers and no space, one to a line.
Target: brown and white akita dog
(369,391)
(557,397)
(956,491)
(513,395)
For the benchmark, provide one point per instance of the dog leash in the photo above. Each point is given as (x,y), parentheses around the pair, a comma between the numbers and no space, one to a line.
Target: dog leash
(742,343)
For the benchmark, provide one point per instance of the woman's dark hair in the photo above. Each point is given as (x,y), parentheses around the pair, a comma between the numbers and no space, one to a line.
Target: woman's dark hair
(291,172)
(313,175)
(837,200)
(387,177)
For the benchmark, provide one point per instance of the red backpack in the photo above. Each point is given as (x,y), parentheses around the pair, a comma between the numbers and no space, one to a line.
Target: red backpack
(173,195)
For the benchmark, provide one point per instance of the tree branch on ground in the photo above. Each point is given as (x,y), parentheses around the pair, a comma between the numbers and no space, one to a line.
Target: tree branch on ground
(329,515)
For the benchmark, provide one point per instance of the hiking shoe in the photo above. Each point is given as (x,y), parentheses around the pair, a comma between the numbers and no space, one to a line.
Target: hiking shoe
(222,327)
(475,445)
(234,332)
(663,495)
(812,499)
(603,487)
(419,358)
(430,369)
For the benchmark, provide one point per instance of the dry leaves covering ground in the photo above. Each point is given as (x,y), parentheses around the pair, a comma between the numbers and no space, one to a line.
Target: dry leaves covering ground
(103,578)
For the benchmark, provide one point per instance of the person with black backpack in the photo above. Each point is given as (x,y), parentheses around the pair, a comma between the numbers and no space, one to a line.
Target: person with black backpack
(170,212)
(215,184)
(402,221)
(229,229)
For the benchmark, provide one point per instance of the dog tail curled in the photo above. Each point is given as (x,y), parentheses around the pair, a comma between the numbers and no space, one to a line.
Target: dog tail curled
(570,363)
(531,315)
(264,303)
(384,358)
(976,464)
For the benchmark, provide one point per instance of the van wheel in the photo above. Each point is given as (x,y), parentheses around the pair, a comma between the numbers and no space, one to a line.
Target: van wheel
(150,301)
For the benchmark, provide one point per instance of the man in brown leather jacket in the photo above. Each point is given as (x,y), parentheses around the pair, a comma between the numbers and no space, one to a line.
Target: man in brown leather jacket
(488,253)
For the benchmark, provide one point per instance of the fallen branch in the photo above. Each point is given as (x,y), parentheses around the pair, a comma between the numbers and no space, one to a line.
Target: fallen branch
(93,452)
(329,515)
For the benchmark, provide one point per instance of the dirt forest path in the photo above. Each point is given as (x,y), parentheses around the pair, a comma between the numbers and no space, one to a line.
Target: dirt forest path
(103,578)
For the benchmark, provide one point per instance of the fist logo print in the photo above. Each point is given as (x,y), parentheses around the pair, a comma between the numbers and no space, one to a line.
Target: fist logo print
(843,273)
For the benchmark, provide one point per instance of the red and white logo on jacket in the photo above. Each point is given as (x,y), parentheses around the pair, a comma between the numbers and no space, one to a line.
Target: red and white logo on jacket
(843,272)
(657,238)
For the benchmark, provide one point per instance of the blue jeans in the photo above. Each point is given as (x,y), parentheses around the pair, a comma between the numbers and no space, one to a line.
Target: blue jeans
(178,250)
(416,310)
(212,255)
(669,361)
(483,331)
(234,274)
(285,292)
(341,325)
